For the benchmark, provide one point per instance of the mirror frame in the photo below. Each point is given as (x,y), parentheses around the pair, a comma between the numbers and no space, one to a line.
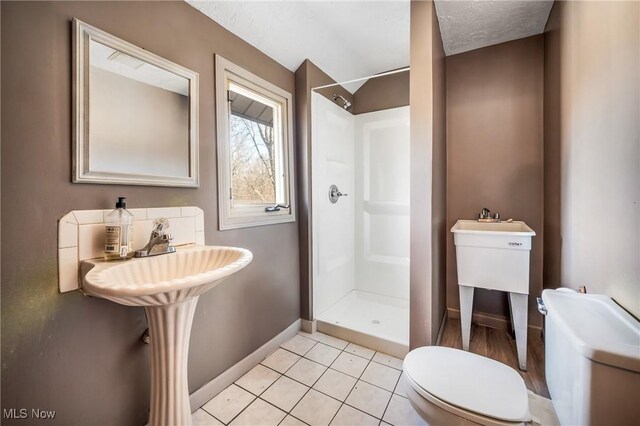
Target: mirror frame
(83,33)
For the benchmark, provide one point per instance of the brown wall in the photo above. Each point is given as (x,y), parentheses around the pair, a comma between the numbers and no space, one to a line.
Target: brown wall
(82,356)
(552,195)
(379,93)
(592,148)
(427,175)
(308,76)
(439,184)
(495,152)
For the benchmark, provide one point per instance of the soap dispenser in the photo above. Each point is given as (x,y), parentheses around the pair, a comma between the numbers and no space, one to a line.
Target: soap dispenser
(118,242)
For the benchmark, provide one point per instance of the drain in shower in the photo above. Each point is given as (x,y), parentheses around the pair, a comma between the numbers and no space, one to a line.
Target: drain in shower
(375,322)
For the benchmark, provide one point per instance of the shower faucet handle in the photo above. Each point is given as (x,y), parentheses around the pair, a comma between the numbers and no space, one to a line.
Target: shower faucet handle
(335,194)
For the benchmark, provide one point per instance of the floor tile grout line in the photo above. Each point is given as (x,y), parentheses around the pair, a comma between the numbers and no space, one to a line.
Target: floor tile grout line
(234,417)
(359,378)
(341,402)
(389,402)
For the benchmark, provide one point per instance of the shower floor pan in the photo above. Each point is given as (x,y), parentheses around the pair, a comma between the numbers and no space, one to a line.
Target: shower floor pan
(367,319)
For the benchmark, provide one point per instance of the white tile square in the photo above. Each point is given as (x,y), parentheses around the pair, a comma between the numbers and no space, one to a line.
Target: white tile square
(202,418)
(305,371)
(90,241)
(400,412)
(400,387)
(68,269)
(280,360)
(335,384)
(200,237)
(299,345)
(332,341)
(67,234)
(381,376)
(69,217)
(313,336)
(542,409)
(388,360)
(316,409)
(228,403)
(138,214)
(349,416)
(258,379)
(168,212)
(323,354)
(189,211)
(183,230)
(368,398)
(141,233)
(200,222)
(88,216)
(352,348)
(259,413)
(349,364)
(292,421)
(285,393)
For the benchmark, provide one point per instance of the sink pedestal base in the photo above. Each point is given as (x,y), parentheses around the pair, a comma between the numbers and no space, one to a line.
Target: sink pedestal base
(170,330)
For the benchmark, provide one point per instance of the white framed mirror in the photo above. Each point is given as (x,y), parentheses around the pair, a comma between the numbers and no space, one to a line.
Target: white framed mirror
(135,114)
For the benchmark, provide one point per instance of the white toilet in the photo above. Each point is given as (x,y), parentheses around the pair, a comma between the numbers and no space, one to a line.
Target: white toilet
(592,369)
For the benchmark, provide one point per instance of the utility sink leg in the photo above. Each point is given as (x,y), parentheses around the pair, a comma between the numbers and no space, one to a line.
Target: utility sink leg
(466,309)
(519,310)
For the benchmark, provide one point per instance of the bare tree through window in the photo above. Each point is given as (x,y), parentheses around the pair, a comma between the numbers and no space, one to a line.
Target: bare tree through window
(252,161)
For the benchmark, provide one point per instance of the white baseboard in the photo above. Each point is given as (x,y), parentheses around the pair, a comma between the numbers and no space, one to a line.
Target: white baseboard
(218,384)
(309,326)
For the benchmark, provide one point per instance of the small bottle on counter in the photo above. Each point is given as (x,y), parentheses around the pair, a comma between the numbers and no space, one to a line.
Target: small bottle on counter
(118,240)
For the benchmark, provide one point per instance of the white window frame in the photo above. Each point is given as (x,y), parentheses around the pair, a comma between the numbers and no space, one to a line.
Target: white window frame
(234,217)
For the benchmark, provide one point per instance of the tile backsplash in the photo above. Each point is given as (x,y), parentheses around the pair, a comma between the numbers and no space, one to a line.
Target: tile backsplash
(81,235)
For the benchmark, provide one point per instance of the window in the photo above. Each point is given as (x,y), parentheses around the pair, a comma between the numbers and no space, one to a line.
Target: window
(255,164)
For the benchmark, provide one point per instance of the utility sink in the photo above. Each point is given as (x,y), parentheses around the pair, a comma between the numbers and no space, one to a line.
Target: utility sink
(494,256)
(168,286)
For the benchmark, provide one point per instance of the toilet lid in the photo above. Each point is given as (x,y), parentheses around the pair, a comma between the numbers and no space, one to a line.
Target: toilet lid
(470,382)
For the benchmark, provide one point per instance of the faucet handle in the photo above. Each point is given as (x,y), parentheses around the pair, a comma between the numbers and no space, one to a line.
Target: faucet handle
(160,224)
(484,214)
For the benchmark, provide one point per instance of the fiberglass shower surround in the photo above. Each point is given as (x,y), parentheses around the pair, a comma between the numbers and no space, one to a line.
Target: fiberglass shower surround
(361,242)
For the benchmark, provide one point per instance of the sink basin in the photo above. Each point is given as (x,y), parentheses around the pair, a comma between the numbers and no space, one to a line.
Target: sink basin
(165,279)
(515,228)
(168,286)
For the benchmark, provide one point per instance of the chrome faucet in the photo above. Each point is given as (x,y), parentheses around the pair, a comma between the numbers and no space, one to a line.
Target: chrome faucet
(159,241)
(486,216)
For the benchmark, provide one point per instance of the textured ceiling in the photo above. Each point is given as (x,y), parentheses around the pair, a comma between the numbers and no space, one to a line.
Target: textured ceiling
(346,39)
(353,39)
(468,25)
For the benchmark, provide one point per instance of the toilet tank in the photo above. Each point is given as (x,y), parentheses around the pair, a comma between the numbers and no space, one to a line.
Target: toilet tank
(592,359)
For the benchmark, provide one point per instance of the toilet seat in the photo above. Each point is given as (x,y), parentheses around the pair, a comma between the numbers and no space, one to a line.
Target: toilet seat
(467,385)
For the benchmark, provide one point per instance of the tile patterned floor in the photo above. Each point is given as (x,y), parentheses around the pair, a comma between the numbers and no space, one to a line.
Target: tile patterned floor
(317,380)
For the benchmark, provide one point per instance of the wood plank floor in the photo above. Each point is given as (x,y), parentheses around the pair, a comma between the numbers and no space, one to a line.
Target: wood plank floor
(501,346)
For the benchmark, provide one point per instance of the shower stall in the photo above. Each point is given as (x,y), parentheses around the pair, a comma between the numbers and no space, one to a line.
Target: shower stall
(360,223)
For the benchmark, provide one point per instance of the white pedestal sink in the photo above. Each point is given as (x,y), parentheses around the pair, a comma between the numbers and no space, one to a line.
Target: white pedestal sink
(494,256)
(168,286)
